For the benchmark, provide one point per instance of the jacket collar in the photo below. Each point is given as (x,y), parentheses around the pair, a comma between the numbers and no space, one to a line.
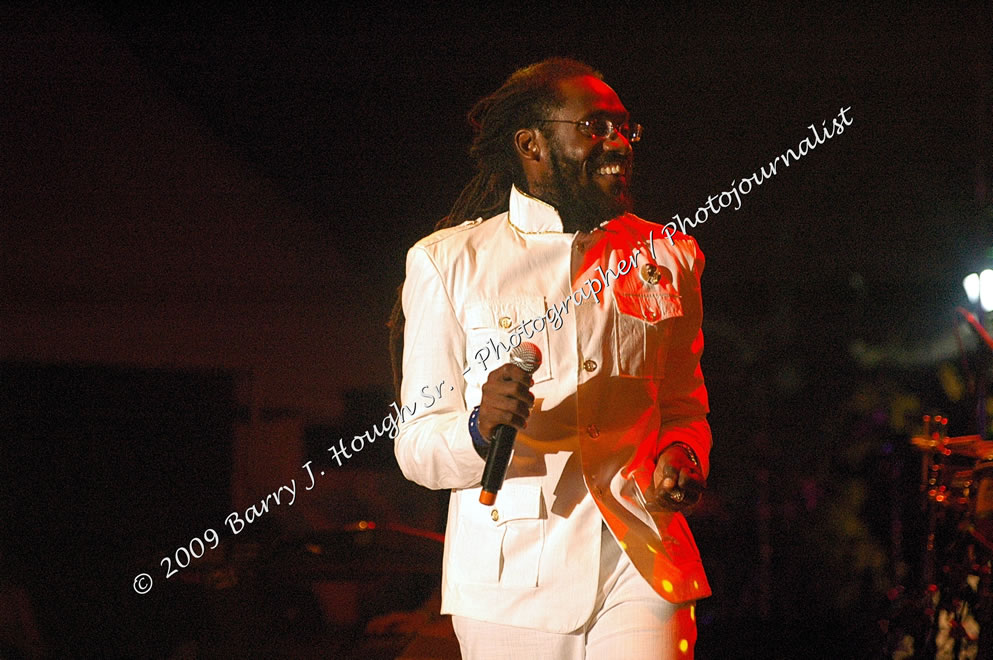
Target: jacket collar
(530,215)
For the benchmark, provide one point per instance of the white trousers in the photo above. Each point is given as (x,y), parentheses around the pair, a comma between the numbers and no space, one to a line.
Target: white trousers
(629,621)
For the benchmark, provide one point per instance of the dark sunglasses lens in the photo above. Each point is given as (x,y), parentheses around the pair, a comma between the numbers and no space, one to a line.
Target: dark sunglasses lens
(600,128)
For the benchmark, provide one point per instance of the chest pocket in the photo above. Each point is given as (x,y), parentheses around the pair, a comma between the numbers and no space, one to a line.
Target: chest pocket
(643,323)
(493,327)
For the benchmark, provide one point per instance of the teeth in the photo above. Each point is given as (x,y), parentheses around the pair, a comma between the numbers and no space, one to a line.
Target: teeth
(610,169)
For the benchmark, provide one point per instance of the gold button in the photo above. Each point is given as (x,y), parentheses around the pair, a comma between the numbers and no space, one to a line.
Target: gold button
(593,430)
(651,314)
(504,322)
(650,273)
(495,515)
(589,365)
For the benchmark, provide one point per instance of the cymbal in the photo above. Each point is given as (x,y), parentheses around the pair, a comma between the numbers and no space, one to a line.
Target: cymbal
(972,446)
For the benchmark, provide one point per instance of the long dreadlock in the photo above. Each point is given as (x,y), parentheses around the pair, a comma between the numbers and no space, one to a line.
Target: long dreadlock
(528,95)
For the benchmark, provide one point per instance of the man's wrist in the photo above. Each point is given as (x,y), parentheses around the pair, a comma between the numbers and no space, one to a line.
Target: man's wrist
(479,443)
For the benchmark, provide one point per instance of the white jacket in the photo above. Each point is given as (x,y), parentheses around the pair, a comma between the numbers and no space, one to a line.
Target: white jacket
(619,382)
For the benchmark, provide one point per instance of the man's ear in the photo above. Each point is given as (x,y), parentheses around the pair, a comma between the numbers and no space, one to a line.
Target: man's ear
(527,144)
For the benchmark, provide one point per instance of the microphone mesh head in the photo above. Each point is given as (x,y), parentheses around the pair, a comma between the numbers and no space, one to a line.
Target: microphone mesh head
(527,356)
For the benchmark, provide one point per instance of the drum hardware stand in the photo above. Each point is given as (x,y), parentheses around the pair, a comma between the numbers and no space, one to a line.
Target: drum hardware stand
(963,587)
(933,492)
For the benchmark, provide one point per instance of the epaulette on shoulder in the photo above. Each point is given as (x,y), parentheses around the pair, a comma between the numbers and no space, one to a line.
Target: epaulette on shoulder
(448,232)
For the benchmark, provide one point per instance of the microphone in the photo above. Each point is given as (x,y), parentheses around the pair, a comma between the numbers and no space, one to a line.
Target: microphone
(527,356)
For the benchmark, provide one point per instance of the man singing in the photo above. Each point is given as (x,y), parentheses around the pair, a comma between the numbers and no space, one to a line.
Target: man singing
(585,553)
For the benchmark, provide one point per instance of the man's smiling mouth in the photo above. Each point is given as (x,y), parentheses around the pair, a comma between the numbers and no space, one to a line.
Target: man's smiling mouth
(615,169)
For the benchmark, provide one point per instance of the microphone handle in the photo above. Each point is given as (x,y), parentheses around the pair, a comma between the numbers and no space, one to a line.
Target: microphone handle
(497,460)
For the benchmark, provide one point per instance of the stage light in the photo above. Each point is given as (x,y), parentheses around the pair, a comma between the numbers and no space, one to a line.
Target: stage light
(979,289)
(971,284)
(986,290)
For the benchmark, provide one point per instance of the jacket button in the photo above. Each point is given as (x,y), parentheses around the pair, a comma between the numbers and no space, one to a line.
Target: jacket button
(593,430)
(495,515)
(589,365)
(505,322)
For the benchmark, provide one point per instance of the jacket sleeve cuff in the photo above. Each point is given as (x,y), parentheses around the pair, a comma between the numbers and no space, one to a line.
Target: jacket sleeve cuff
(695,434)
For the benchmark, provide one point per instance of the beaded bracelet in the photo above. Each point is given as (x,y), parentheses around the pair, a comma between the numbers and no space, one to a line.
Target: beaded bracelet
(689,451)
(482,447)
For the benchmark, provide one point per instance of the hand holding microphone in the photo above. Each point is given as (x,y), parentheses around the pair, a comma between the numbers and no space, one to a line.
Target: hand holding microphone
(503,410)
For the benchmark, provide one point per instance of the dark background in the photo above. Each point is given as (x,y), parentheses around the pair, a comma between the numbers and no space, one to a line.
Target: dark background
(235,189)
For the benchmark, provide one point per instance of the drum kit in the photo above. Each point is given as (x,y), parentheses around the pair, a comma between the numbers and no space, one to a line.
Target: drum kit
(957,501)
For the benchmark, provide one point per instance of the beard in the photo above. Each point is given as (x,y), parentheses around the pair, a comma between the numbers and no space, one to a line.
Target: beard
(583,205)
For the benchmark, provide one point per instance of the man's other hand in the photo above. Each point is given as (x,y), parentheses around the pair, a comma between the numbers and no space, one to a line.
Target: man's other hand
(678,480)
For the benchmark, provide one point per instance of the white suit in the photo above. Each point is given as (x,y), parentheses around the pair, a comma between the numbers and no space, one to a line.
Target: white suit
(619,382)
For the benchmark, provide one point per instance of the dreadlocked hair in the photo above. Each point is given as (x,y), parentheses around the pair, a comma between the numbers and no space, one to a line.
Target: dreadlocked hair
(529,95)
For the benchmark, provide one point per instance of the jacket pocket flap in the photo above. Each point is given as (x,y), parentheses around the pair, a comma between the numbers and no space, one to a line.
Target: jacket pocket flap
(650,307)
(516,502)
(503,313)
